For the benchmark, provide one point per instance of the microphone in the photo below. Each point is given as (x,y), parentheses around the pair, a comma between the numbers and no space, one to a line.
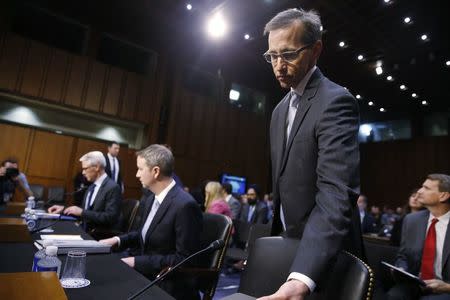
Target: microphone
(216,245)
(76,191)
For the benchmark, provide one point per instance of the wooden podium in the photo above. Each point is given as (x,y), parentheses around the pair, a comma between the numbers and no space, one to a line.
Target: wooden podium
(14,230)
(31,285)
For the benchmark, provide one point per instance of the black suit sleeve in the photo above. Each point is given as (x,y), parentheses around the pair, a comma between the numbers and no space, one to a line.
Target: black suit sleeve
(188,225)
(110,215)
(337,187)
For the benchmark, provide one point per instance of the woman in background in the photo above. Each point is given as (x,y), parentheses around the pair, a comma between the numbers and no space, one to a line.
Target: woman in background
(215,201)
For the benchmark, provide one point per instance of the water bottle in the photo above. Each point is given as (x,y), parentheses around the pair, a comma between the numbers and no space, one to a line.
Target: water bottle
(40,254)
(30,218)
(31,203)
(50,263)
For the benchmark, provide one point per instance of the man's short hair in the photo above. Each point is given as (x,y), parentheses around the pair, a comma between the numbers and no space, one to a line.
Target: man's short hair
(11,160)
(364,198)
(158,156)
(94,158)
(444,181)
(111,143)
(310,20)
(227,188)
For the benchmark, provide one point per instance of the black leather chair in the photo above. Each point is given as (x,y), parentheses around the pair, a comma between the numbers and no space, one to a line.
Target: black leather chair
(55,195)
(269,264)
(215,227)
(38,191)
(256,231)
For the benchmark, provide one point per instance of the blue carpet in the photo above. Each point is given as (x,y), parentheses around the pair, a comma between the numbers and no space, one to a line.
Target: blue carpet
(228,284)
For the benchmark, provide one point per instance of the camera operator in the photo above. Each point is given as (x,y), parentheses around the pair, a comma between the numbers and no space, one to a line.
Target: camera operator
(10,178)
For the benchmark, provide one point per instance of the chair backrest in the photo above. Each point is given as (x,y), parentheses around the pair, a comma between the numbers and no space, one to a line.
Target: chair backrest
(55,195)
(38,191)
(376,253)
(215,227)
(257,231)
(270,261)
(129,209)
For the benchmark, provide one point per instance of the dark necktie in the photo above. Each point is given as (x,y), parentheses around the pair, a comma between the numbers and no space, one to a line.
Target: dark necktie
(113,169)
(90,191)
(429,253)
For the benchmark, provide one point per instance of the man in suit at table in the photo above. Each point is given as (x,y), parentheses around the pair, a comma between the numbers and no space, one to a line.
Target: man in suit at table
(171,221)
(102,200)
(425,243)
(113,166)
(315,156)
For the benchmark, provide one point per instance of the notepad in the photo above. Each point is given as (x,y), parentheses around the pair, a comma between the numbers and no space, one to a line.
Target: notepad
(61,237)
(90,246)
(404,275)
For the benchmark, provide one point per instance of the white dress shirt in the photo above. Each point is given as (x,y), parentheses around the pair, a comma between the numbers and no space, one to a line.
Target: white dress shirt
(441,231)
(299,90)
(97,183)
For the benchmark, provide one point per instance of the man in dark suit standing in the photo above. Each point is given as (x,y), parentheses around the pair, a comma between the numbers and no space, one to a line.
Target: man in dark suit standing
(235,205)
(113,167)
(255,211)
(102,200)
(368,224)
(171,221)
(315,155)
(425,243)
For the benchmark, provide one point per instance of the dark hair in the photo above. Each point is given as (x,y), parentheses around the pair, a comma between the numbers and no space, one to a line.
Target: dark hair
(111,143)
(12,160)
(256,188)
(227,188)
(444,181)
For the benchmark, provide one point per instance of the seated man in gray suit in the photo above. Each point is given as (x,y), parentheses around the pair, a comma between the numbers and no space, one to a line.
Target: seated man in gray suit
(102,200)
(235,205)
(425,243)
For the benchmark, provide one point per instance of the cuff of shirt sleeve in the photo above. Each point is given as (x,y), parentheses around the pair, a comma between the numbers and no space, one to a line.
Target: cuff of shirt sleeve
(118,240)
(303,278)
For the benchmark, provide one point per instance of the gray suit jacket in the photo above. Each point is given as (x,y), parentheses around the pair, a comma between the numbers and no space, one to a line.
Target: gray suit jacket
(105,211)
(316,175)
(414,231)
(235,207)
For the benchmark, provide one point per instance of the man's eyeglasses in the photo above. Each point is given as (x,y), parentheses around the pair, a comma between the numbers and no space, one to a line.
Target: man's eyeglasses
(288,56)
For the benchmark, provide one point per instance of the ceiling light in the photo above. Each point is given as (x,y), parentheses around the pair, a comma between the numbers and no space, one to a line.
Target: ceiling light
(424,37)
(390,78)
(379,70)
(371,103)
(321,28)
(382,109)
(387,1)
(342,44)
(365,129)
(188,6)
(234,95)
(414,95)
(424,102)
(403,87)
(407,20)
(360,57)
(447,63)
(358,96)
(217,26)
(246,36)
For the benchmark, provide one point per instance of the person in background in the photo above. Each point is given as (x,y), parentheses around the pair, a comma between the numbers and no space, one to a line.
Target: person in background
(11,178)
(368,224)
(255,210)
(113,166)
(234,203)
(215,199)
(413,206)
(376,214)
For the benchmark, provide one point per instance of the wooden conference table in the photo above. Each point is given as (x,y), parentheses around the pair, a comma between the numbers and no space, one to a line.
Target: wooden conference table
(110,277)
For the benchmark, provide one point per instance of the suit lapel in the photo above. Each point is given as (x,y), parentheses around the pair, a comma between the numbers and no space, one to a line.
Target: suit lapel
(303,107)
(161,210)
(446,250)
(280,131)
(100,194)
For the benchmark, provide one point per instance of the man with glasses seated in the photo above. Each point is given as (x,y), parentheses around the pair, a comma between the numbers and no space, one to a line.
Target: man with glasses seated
(102,200)
(315,156)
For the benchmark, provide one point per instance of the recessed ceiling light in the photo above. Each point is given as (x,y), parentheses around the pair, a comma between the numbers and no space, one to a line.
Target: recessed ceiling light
(321,28)
(424,37)
(188,6)
(217,26)
(342,44)
(360,57)
(246,36)
(414,95)
(382,109)
(387,1)
(407,20)
(403,87)
(447,63)
(371,103)
(424,102)
(358,96)
(389,78)
(379,70)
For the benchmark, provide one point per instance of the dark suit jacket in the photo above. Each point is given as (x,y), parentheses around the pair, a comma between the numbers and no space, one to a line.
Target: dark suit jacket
(368,224)
(109,171)
(235,207)
(259,215)
(172,236)
(316,176)
(105,211)
(414,231)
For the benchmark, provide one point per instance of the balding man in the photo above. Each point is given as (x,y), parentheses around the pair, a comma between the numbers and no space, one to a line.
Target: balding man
(101,203)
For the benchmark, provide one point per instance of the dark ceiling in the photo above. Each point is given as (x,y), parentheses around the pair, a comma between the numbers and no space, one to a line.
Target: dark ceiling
(372,28)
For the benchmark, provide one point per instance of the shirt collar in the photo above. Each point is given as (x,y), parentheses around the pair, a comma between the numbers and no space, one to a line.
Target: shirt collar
(300,88)
(100,180)
(444,219)
(227,198)
(110,156)
(161,196)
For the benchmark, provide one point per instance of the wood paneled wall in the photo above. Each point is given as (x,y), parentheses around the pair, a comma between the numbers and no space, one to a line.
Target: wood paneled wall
(390,170)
